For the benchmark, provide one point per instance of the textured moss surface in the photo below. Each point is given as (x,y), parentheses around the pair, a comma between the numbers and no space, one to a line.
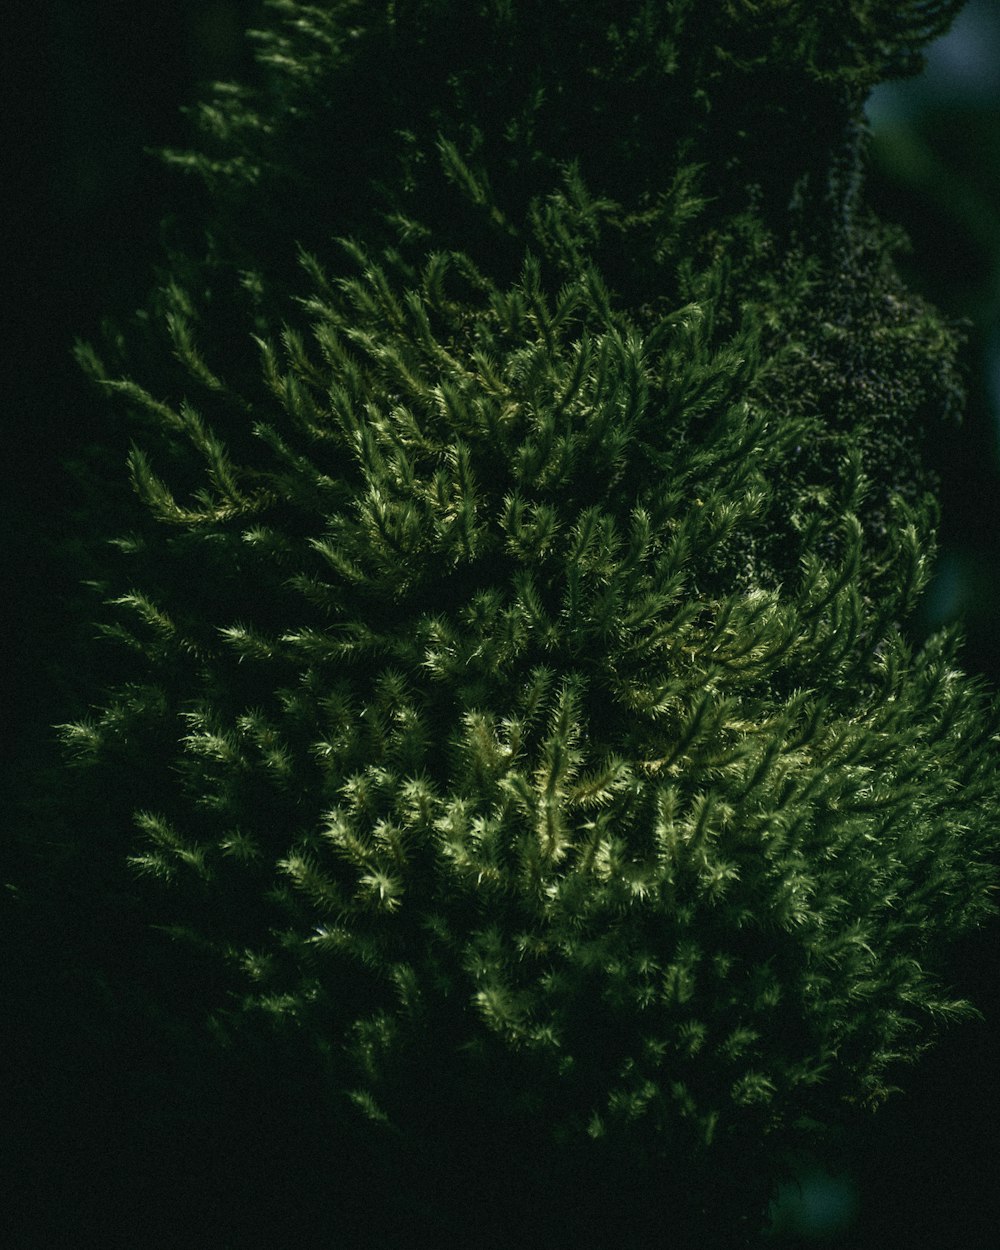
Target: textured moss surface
(510,692)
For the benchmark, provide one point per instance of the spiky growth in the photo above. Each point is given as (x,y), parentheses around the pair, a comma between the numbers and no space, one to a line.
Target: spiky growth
(522,701)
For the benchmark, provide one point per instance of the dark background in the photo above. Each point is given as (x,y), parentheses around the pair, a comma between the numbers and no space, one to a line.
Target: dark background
(89,84)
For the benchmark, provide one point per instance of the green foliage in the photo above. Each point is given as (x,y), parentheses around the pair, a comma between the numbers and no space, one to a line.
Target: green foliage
(521,609)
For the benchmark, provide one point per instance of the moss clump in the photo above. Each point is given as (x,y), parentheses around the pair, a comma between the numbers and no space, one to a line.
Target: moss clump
(520,704)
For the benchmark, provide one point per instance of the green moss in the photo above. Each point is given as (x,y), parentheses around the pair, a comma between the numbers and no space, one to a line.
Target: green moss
(518,588)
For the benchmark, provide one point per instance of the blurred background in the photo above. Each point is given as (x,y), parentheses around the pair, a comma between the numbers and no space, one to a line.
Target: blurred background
(90,86)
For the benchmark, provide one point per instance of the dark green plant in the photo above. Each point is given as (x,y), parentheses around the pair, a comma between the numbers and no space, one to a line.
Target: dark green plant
(520,702)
